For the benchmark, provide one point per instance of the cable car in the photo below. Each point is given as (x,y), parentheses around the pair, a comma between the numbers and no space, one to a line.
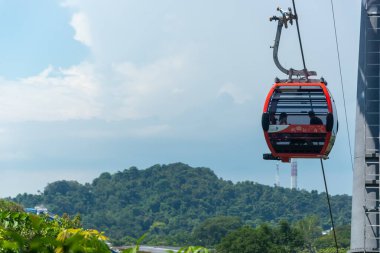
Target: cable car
(299,120)
(299,116)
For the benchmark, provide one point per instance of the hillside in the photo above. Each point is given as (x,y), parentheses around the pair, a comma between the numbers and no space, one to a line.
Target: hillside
(128,202)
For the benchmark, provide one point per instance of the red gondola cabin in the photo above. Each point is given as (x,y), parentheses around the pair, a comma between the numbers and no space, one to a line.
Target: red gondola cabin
(299,121)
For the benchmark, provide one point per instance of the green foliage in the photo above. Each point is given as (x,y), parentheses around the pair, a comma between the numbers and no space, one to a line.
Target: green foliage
(124,205)
(304,237)
(190,249)
(6,205)
(327,241)
(29,233)
(311,230)
(187,249)
(333,250)
(212,230)
(80,240)
(314,241)
(264,238)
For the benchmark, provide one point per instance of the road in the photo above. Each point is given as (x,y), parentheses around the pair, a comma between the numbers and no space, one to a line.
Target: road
(158,249)
(150,249)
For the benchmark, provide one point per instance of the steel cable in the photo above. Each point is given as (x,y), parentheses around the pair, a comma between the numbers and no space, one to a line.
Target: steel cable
(328,201)
(340,71)
(341,83)
(299,35)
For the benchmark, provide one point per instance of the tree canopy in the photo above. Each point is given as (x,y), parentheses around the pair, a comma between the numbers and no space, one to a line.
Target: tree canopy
(125,204)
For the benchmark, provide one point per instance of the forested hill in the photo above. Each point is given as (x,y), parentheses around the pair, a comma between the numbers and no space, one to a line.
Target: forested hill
(127,203)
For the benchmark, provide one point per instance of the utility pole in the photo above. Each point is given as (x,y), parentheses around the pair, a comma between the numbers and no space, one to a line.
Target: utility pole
(365,222)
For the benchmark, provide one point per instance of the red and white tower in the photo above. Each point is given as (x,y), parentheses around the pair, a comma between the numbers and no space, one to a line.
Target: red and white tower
(277,179)
(293,178)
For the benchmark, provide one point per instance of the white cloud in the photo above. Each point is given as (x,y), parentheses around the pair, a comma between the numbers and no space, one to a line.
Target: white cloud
(81,25)
(153,90)
(87,91)
(238,94)
(54,94)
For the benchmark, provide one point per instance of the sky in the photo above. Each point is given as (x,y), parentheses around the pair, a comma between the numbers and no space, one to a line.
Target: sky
(88,86)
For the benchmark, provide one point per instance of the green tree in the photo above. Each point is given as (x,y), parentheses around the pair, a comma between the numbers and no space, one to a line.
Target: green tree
(125,204)
(243,240)
(288,238)
(282,238)
(311,230)
(6,205)
(212,230)
(332,250)
(327,240)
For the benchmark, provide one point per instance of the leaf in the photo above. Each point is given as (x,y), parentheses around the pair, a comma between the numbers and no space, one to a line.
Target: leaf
(131,250)
(138,242)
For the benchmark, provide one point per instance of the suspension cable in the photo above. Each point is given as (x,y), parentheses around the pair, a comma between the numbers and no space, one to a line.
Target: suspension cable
(340,71)
(341,84)
(299,35)
(328,201)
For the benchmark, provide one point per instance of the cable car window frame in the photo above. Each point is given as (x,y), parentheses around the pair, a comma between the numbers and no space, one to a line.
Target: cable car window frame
(296,101)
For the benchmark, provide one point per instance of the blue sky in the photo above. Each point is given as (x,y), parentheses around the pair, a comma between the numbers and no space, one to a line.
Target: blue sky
(88,86)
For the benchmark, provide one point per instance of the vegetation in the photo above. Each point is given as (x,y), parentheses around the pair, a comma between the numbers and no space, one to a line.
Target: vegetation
(187,249)
(22,232)
(326,242)
(212,230)
(29,233)
(284,238)
(125,205)
(264,238)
